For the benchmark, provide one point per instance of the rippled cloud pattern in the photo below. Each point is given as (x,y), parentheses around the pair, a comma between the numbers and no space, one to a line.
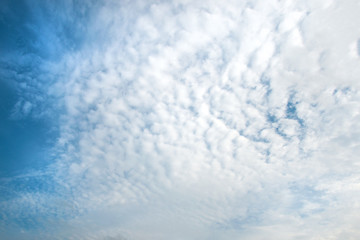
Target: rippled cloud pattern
(154,120)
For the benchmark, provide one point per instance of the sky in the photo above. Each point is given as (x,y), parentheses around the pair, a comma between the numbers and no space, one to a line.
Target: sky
(204,120)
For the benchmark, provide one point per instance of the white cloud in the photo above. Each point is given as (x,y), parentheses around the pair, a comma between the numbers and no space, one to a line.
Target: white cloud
(202,120)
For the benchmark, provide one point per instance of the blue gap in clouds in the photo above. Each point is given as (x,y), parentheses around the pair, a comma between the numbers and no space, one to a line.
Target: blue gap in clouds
(291,111)
(29,36)
(24,143)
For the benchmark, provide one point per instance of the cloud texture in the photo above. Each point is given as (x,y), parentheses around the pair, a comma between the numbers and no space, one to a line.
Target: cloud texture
(189,120)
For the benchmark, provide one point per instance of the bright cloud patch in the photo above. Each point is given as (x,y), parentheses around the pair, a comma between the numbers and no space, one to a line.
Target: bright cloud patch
(186,120)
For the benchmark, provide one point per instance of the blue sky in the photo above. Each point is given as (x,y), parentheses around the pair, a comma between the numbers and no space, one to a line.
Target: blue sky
(179,120)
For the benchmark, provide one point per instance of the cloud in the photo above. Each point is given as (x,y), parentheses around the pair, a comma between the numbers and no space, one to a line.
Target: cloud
(193,120)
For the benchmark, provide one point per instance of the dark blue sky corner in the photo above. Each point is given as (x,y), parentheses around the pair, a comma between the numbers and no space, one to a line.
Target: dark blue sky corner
(27,127)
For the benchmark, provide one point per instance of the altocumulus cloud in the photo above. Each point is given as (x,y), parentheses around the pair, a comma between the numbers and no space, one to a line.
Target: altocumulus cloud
(185,119)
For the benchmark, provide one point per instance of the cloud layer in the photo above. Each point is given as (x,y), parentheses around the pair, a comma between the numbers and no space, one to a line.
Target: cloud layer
(191,120)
